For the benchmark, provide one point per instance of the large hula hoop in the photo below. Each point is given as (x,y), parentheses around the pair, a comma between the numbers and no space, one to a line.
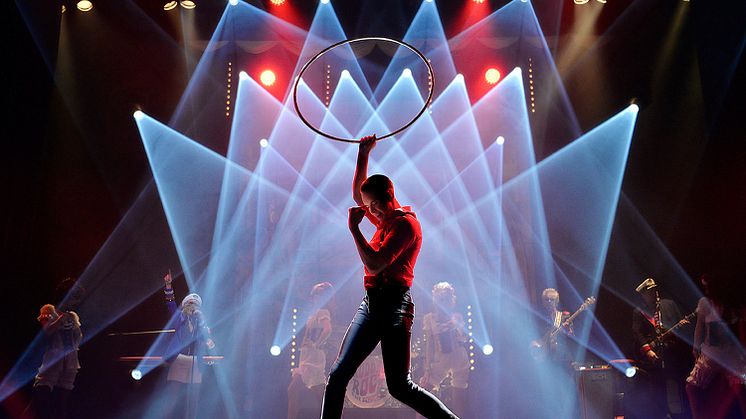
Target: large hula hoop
(350,41)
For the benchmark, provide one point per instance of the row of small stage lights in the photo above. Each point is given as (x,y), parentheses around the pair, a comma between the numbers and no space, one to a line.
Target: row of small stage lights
(87,5)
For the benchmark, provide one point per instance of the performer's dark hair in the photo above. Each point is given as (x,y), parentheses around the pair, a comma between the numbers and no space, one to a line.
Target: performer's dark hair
(379,187)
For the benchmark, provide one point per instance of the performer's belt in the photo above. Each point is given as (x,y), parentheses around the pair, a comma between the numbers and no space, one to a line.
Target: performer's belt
(387,284)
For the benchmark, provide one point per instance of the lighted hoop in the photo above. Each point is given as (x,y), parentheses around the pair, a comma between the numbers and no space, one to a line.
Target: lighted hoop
(351,41)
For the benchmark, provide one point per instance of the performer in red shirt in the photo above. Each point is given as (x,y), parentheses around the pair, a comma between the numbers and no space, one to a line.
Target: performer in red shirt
(387,311)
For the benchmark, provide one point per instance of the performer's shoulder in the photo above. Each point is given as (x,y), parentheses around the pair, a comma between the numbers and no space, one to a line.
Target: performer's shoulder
(406,219)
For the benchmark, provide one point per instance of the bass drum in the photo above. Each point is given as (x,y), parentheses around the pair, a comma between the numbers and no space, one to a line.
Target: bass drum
(367,389)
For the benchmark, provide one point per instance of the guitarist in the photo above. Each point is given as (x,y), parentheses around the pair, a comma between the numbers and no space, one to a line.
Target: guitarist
(661,355)
(553,347)
(554,356)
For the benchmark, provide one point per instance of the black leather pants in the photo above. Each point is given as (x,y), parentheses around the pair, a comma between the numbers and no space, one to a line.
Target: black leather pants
(384,316)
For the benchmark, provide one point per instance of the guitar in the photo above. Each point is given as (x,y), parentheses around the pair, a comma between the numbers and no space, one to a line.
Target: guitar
(661,342)
(539,347)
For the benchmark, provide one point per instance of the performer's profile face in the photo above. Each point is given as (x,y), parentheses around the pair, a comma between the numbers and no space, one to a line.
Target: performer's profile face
(189,307)
(376,207)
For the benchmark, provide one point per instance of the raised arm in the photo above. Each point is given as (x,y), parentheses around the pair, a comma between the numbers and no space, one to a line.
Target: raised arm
(169,292)
(361,168)
(52,323)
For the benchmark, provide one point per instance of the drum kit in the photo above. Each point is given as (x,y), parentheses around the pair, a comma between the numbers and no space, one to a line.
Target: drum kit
(367,389)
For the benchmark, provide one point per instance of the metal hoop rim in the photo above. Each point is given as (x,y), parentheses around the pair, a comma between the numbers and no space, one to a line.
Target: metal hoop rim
(350,41)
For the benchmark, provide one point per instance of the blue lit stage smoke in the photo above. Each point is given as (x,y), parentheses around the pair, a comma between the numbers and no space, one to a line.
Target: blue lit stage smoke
(255,229)
(273,219)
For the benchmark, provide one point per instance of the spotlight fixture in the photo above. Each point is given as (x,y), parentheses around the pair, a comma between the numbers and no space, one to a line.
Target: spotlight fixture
(478,1)
(64,9)
(324,1)
(84,5)
(170,5)
(188,4)
(233,2)
(275,350)
(492,76)
(277,2)
(500,140)
(487,349)
(136,374)
(268,77)
(630,372)
(263,143)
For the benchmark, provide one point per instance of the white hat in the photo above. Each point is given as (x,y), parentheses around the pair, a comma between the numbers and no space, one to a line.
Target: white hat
(194,297)
(647,284)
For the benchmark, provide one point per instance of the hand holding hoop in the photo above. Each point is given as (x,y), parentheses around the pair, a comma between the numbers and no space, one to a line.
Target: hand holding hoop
(351,41)
(367,144)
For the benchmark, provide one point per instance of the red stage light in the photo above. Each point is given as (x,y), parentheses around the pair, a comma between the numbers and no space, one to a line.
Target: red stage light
(492,76)
(268,77)
(478,1)
(277,2)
